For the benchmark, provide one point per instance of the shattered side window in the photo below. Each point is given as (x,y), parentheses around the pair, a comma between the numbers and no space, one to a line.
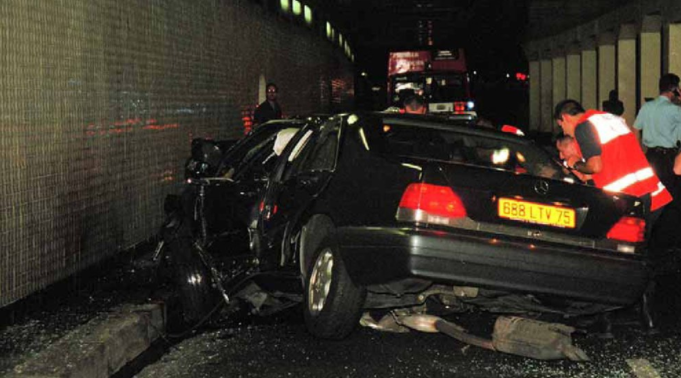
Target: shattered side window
(323,154)
(297,155)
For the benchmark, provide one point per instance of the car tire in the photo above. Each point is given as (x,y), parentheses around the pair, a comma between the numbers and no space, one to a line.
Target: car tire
(191,277)
(333,303)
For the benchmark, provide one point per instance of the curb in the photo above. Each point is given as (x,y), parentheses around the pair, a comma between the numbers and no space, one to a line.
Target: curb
(98,348)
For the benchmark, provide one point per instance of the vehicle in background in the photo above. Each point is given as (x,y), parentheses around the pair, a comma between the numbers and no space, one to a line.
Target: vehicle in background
(440,76)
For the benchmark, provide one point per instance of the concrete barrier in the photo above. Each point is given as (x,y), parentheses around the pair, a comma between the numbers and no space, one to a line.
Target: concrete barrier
(100,347)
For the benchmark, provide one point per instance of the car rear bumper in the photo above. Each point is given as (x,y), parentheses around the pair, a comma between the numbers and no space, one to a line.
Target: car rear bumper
(383,255)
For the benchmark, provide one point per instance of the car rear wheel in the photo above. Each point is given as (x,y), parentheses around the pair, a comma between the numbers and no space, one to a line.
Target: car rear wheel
(333,303)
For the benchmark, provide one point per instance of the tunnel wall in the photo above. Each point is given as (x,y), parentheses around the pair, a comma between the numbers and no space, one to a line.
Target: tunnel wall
(100,99)
(627,50)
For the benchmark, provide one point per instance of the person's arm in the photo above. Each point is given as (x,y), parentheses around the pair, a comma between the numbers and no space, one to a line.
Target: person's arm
(638,127)
(590,145)
(592,165)
(677,164)
(676,122)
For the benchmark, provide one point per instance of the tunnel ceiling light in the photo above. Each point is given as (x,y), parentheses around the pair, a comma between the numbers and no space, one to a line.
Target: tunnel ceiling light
(340,39)
(285,5)
(308,15)
(328,30)
(297,8)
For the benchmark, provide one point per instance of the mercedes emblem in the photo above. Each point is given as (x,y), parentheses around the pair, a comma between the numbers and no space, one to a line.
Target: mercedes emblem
(541,187)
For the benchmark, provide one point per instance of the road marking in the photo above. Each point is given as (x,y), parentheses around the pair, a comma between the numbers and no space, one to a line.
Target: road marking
(643,369)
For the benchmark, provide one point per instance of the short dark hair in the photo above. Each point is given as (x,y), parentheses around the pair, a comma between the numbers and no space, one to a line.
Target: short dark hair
(668,82)
(271,85)
(570,107)
(564,138)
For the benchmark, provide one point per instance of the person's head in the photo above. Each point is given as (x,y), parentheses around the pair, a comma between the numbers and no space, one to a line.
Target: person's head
(669,85)
(566,146)
(613,95)
(415,105)
(567,114)
(271,90)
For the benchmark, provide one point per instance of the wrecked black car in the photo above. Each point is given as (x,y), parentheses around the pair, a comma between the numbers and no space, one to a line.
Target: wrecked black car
(208,223)
(415,215)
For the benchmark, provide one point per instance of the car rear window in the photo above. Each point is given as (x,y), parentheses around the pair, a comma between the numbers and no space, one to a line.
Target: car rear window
(456,146)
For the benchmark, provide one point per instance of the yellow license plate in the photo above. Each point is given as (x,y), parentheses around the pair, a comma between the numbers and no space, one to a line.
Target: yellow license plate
(531,212)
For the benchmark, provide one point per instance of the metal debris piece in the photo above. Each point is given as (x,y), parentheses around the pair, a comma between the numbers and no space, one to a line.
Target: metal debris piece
(420,322)
(386,324)
(535,339)
(512,334)
(466,291)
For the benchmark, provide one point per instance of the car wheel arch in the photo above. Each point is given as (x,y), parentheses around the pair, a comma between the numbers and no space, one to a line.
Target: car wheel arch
(312,233)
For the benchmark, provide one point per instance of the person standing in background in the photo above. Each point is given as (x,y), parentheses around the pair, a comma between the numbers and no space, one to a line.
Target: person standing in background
(269,109)
(660,124)
(613,105)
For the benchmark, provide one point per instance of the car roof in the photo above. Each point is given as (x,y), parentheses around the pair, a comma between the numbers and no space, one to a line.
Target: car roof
(437,122)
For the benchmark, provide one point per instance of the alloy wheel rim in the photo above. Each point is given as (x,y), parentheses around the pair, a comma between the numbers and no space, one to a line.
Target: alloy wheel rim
(320,282)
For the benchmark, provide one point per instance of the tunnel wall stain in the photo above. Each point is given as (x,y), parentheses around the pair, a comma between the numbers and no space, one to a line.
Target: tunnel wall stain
(99,101)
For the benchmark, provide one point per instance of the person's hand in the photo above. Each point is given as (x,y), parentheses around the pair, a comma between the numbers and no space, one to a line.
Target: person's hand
(677,164)
(571,160)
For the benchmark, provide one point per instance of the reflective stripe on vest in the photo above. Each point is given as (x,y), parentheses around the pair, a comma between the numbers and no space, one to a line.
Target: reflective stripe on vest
(629,180)
(660,188)
(660,197)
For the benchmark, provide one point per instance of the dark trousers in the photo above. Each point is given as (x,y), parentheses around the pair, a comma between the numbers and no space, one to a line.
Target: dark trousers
(666,234)
(662,161)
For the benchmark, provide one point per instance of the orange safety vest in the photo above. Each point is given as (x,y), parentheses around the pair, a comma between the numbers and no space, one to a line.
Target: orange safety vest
(625,167)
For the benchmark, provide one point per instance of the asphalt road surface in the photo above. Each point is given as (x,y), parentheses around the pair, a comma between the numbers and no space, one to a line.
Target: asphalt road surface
(281,347)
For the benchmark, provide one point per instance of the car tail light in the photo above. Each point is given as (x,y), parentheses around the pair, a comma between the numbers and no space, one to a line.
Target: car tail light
(628,229)
(459,107)
(430,203)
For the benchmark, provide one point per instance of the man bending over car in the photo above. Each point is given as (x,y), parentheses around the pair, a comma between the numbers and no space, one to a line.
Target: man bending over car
(610,153)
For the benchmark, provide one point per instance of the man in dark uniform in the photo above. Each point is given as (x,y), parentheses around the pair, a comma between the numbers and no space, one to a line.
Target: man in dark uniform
(613,104)
(270,108)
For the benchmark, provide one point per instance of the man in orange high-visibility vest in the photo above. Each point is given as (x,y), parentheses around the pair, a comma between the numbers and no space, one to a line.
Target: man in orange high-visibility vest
(612,155)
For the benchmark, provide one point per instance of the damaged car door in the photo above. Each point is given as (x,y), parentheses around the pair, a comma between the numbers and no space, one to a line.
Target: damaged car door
(298,179)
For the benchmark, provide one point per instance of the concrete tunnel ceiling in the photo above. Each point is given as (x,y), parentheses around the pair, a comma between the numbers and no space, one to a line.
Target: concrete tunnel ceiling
(491,30)
(550,17)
